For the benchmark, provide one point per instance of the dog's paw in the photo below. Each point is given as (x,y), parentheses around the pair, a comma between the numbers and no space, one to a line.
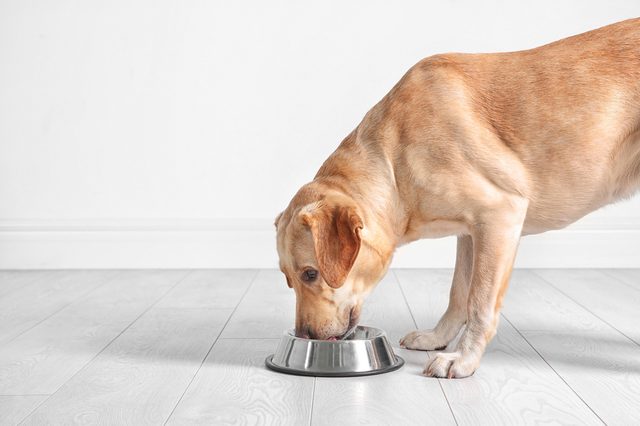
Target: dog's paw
(451,365)
(426,340)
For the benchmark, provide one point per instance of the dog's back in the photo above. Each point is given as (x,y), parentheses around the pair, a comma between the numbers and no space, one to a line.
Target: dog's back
(568,112)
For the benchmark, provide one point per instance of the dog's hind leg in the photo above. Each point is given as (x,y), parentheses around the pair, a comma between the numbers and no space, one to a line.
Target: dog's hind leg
(456,314)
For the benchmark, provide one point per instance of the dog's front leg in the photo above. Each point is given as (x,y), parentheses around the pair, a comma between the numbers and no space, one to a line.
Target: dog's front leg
(494,247)
(456,314)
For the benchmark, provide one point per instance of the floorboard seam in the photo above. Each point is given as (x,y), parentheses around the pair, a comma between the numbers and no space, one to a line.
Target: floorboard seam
(447,400)
(253,279)
(553,369)
(249,338)
(585,308)
(621,281)
(79,298)
(27,284)
(313,398)
(444,394)
(27,394)
(404,297)
(107,345)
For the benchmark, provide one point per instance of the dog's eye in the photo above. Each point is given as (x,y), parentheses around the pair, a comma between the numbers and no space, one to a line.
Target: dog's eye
(309,275)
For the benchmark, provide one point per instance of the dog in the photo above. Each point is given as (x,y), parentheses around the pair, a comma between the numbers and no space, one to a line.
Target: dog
(486,147)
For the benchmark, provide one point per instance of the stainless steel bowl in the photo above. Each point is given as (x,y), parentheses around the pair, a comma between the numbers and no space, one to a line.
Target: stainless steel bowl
(365,351)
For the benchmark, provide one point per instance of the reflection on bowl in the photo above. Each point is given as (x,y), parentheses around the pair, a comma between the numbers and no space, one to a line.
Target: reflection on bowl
(365,351)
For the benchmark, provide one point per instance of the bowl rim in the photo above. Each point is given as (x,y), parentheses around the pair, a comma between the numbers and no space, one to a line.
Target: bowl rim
(393,367)
(290,333)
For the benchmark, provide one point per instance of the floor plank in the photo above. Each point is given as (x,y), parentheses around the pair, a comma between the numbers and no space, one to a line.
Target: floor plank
(630,277)
(11,280)
(140,377)
(42,359)
(513,384)
(266,311)
(24,308)
(210,289)
(14,408)
(130,349)
(603,368)
(427,293)
(385,308)
(403,397)
(611,300)
(531,303)
(234,387)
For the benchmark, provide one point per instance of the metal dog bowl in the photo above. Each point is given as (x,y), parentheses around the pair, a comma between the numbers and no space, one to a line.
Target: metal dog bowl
(365,351)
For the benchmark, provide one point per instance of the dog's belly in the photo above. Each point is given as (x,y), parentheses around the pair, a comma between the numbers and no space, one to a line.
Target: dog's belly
(558,202)
(601,179)
(539,222)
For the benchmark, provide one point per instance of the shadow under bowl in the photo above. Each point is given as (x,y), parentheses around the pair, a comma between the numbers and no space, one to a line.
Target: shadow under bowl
(365,351)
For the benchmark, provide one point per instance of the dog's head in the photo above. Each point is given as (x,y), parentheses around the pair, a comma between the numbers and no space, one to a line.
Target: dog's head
(326,262)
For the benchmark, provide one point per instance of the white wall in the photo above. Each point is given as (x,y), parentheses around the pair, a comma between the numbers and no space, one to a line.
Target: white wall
(152,133)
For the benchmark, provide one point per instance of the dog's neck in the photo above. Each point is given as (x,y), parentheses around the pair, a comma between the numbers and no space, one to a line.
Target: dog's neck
(375,195)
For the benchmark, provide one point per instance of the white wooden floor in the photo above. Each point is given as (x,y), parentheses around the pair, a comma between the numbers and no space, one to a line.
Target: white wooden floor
(187,347)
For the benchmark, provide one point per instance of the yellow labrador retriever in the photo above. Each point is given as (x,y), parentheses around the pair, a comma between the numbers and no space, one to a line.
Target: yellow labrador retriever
(488,147)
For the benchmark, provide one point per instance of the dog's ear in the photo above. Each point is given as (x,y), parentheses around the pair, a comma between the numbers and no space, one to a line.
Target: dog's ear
(336,239)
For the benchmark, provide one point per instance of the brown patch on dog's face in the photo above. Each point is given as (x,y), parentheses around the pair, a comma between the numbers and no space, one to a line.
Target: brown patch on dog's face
(323,258)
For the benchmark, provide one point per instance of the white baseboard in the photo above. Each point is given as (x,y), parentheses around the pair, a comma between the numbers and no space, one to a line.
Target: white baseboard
(250,243)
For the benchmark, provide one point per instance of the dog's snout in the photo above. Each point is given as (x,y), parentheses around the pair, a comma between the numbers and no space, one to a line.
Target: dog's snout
(303,332)
(303,335)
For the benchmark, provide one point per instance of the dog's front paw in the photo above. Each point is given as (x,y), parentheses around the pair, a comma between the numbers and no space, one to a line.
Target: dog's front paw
(451,365)
(427,340)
